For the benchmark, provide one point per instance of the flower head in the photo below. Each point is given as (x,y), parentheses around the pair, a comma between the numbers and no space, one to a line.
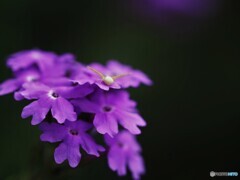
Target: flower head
(125,151)
(63,89)
(72,136)
(111,108)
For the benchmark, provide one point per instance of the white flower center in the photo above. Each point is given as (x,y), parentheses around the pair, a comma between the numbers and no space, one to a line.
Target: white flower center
(30,78)
(52,94)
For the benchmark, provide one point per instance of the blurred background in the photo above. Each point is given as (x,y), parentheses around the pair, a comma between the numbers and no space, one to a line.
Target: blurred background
(190,48)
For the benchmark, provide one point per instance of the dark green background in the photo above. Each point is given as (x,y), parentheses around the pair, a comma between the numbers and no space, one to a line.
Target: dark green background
(192,110)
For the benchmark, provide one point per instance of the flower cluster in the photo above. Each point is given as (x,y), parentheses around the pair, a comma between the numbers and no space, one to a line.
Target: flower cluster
(72,103)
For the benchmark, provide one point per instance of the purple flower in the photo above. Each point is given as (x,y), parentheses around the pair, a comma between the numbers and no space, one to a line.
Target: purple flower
(72,136)
(25,59)
(92,75)
(83,75)
(114,75)
(66,66)
(131,78)
(16,83)
(37,65)
(125,151)
(54,99)
(111,108)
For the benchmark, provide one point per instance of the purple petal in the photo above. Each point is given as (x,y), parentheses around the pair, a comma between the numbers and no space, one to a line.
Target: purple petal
(99,67)
(117,160)
(52,132)
(88,144)
(121,99)
(31,74)
(75,92)
(130,121)
(60,154)
(105,124)
(18,96)
(106,87)
(34,90)
(133,77)
(84,105)
(136,166)
(102,86)
(9,86)
(74,155)
(142,77)
(56,82)
(37,111)
(115,86)
(117,67)
(67,58)
(68,151)
(63,110)
(109,140)
(82,126)
(125,137)
(99,97)
(25,59)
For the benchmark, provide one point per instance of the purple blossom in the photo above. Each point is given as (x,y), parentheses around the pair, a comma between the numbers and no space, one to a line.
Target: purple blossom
(125,151)
(115,75)
(16,83)
(83,75)
(72,136)
(67,66)
(25,59)
(131,78)
(54,99)
(111,108)
(37,65)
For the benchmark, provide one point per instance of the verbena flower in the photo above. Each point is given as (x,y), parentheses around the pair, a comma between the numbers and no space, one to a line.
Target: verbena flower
(72,136)
(37,65)
(25,59)
(125,152)
(130,77)
(21,77)
(111,108)
(113,75)
(54,99)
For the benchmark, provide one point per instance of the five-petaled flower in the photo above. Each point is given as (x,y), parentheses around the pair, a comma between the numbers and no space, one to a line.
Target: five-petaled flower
(125,151)
(115,75)
(55,99)
(110,108)
(72,136)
